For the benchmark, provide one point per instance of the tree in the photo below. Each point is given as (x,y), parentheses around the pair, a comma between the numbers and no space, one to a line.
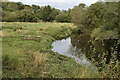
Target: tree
(95,15)
(54,13)
(9,16)
(111,17)
(20,6)
(27,16)
(64,17)
(45,13)
(81,6)
(9,6)
(78,15)
(35,8)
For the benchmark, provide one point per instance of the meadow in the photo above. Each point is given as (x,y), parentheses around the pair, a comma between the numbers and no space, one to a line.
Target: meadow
(29,30)
(27,51)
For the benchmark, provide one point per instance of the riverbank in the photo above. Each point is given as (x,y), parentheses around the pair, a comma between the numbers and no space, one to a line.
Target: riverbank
(27,51)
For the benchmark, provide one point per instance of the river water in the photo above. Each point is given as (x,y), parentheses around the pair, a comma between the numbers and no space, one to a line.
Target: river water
(65,47)
(84,49)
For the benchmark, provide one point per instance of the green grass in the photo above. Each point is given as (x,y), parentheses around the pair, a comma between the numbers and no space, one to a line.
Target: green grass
(30,56)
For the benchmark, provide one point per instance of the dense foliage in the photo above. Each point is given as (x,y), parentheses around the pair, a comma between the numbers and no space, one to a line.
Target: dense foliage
(100,24)
(99,16)
(63,17)
(18,12)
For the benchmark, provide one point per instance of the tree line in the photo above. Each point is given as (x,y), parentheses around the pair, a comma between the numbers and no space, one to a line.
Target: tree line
(101,19)
(19,12)
(98,18)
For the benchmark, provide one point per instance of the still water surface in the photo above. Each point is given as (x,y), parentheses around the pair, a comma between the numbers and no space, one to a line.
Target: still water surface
(65,47)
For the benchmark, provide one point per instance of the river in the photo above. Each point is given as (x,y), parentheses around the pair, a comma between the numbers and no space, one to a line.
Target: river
(65,47)
(88,52)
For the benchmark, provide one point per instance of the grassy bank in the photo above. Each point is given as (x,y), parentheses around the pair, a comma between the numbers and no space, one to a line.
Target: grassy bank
(27,51)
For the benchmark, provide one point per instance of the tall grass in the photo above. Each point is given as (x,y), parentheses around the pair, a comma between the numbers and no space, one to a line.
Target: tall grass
(26,55)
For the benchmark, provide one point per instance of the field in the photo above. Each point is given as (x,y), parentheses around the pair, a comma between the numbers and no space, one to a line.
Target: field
(92,36)
(27,51)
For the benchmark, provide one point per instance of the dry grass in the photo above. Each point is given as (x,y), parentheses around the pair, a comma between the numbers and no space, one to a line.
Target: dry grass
(39,58)
(35,58)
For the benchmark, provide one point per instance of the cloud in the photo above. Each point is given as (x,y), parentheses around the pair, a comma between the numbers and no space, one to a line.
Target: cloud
(61,4)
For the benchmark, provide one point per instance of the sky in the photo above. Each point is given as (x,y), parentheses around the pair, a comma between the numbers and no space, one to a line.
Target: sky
(59,4)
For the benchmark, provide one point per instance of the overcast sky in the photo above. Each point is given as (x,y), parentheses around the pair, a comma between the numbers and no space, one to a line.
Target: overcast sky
(60,4)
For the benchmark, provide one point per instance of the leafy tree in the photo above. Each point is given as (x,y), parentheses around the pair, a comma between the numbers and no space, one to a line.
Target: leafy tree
(27,7)
(54,13)
(20,6)
(9,16)
(78,15)
(45,13)
(35,8)
(27,16)
(81,5)
(63,17)
(26,13)
(9,6)
(111,18)
(95,15)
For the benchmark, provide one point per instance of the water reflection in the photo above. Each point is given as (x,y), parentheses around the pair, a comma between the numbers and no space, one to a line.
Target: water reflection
(65,47)
(94,49)
(84,49)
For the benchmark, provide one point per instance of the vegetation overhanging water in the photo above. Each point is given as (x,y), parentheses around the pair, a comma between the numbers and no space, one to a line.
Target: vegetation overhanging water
(65,47)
